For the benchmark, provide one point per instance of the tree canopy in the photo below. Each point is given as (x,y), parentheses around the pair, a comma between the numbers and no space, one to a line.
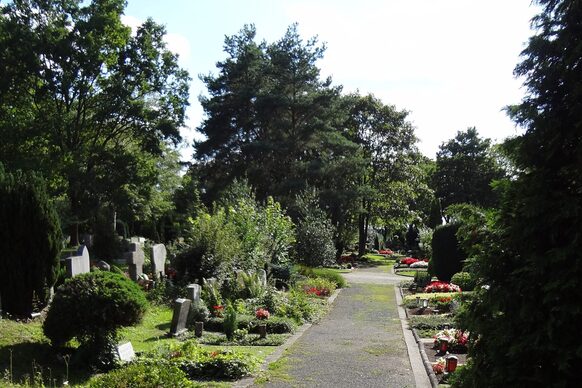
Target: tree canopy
(85,102)
(465,168)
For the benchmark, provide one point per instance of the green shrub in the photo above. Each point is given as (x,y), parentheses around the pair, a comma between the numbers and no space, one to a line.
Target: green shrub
(422,279)
(198,362)
(198,312)
(211,293)
(314,235)
(297,306)
(91,307)
(242,338)
(447,256)
(212,244)
(324,273)
(316,286)
(464,280)
(144,376)
(281,274)
(229,321)
(275,325)
(30,241)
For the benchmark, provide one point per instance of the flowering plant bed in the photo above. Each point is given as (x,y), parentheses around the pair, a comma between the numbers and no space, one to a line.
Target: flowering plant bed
(439,286)
(385,252)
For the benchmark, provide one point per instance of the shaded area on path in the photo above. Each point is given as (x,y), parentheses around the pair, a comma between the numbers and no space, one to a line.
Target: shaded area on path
(358,344)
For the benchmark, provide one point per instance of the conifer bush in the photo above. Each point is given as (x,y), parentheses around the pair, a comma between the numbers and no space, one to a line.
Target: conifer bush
(447,256)
(30,241)
(91,307)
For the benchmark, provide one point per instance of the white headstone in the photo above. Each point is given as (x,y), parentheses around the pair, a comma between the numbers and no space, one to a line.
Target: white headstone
(158,260)
(125,352)
(193,292)
(79,263)
(263,277)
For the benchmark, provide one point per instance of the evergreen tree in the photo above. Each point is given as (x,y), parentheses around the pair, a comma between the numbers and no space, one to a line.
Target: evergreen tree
(525,323)
(30,241)
(465,169)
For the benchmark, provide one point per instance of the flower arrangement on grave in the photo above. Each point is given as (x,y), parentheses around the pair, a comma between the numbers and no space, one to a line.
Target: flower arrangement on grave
(262,314)
(385,252)
(453,337)
(438,367)
(439,286)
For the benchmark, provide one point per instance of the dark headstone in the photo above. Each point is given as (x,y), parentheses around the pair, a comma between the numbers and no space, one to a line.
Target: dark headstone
(180,317)
(103,265)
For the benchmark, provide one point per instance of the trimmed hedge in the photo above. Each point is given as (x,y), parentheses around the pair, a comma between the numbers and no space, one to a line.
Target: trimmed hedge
(447,256)
(93,303)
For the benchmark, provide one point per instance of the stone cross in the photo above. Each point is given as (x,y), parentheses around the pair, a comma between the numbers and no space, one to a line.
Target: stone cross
(135,259)
(193,292)
(158,260)
(79,263)
(181,310)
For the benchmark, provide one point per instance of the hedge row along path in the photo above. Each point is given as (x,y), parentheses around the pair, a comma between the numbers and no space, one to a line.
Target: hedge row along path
(360,343)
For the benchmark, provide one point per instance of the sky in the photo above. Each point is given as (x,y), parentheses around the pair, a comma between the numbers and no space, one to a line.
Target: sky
(448,62)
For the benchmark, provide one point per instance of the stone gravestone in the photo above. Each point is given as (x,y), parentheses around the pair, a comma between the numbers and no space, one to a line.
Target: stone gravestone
(125,352)
(103,265)
(263,277)
(79,263)
(135,259)
(158,260)
(193,292)
(181,310)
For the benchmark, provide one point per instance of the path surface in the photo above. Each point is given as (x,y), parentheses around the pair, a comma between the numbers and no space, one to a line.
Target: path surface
(358,344)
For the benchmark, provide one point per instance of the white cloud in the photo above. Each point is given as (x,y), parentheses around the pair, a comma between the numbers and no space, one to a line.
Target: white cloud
(450,62)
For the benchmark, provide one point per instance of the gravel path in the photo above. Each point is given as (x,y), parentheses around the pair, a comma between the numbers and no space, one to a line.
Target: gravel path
(358,344)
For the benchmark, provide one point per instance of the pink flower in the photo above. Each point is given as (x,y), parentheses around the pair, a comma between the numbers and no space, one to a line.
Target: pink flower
(262,314)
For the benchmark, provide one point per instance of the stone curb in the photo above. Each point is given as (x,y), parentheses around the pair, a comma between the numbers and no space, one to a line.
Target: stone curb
(248,381)
(417,363)
(425,361)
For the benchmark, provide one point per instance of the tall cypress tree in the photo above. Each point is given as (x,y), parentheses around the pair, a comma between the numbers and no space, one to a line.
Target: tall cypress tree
(526,322)
(30,241)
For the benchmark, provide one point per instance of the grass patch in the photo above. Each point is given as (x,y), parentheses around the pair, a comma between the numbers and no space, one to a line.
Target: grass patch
(151,332)
(278,370)
(410,274)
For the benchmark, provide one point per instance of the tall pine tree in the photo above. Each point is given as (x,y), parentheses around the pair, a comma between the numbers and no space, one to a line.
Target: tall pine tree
(526,322)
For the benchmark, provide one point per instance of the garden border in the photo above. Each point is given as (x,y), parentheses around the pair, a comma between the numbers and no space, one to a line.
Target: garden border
(276,355)
(418,361)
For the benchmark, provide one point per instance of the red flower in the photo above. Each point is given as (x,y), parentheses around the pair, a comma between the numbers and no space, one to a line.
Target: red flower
(217,311)
(408,260)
